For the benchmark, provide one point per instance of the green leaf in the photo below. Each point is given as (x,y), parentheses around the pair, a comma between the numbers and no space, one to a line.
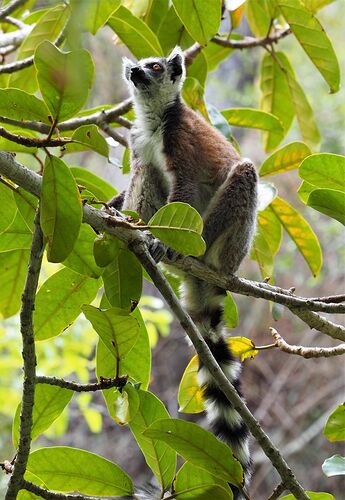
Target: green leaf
(192,482)
(97,13)
(275,99)
(27,205)
(304,191)
(180,226)
(59,301)
(125,404)
(50,401)
(172,32)
(266,193)
(253,118)
(190,397)
(117,329)
(305,115)
(315,5)
(88,137)
(64,79)
(61,209)
(136,364)
(219,122)
(324,170)
(122,278)
(81,258)
(17,236)
(8,207)
(313,39)
(271,229)
(285,159)
(198,69)
(261,252)
(105,249)
(159,457)
(156,13)
(334,429)
(100,188)
(193,94)
(300,232)
(201,19)
(13,268)
(312,495)
(199,447)
(71,469)
(20,105)
(48,27)
(334,466)
(215,54)
(243,347)
(230,313)
(329,202)
(258,16)
(135,34)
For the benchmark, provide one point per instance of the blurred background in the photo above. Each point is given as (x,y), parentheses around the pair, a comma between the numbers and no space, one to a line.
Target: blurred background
(291,396)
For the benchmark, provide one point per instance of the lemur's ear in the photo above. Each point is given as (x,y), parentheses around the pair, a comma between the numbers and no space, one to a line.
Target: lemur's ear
(176,63)
(127,64)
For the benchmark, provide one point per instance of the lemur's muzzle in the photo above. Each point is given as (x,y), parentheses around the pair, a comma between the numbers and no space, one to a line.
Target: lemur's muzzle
(138,75)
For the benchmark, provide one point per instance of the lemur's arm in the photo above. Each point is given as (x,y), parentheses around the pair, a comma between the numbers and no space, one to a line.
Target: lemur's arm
(117,200)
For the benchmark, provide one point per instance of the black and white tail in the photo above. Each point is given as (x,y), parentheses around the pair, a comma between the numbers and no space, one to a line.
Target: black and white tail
(203,302)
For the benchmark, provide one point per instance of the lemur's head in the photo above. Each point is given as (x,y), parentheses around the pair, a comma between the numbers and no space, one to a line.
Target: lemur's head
(155,76)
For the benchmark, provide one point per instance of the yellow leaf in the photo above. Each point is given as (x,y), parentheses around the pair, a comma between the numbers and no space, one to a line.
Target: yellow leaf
(190,394)
(243,347)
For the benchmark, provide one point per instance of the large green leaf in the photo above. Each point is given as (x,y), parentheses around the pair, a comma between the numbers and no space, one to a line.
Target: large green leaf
(81,258)
(324,170)
(135,34)
(189,397)
(172,32)
(64,79)
(334,466)
(201,19)
(258,16)
(261,252)
(275,99)
(199,447)
(59,301)
(27,205)
(8,207)
(159,457)
(192,482)
(284,159)
(61,209)
(156,13)
(230,312)
(312,495)
(97,12)
(17,236)
(334,429)
(300,232)
(71,469)
(271,229)
(304,113)
(253,118)
(13,268)
(313,40)
(117,329)
(20,105)
(50,401)
(329,202)
(48,27)
(122,278)
(180,226)
(100,188)
(215,54)
(88,137)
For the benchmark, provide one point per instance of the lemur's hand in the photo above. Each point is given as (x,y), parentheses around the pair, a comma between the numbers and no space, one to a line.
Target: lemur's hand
(157,250)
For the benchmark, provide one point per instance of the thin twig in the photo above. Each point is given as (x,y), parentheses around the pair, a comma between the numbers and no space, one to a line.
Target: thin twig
(306,352)
(50,495)
(11,7)
(277,492)
(250,42)
(29,358)
(104,383)
(112,133)
(32,142)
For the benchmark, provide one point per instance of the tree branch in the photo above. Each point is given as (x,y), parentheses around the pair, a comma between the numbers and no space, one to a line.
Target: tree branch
(319,323)
(29,357)
(277,492)
(250,42)
(10,7)
(104,383)
(306,352)
(33,142)
(14,38)
(50,495)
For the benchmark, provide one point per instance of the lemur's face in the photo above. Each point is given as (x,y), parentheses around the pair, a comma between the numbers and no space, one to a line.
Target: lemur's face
(149,76)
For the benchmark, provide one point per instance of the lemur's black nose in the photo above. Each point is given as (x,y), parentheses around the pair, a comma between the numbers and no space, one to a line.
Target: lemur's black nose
(135,70)
(137,75)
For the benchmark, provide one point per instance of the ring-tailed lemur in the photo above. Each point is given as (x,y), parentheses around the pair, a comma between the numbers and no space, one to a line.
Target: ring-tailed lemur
(177,156)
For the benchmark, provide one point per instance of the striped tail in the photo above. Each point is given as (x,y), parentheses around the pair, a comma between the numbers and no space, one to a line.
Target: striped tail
(203,302)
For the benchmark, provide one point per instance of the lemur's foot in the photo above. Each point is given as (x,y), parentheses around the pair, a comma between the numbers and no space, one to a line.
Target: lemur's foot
(157,250)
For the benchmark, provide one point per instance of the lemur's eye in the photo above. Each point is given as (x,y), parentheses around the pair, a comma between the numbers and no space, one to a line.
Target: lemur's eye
(156,67)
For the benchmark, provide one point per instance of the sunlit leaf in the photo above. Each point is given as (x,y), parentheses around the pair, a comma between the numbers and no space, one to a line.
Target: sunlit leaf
(300,232)
(88,137)
(190,394)
(329,202)
(284,159)
(125,404)
(81,258)
(243,347)
(315,5)
(180,226)
(312,495)
(20,105)
(271,229)
(159,457)
(71,469)
(192,482)
(261,252)
(324,170)
(258,17)
(13,268)
(102,190)
(172,32)
(230,313)
(334,429)
(61,210)
(200,19)
(253,118)
(8,207)
(97,13)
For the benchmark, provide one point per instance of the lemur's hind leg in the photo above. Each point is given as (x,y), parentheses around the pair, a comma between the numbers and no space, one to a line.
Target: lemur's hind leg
(229,223)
